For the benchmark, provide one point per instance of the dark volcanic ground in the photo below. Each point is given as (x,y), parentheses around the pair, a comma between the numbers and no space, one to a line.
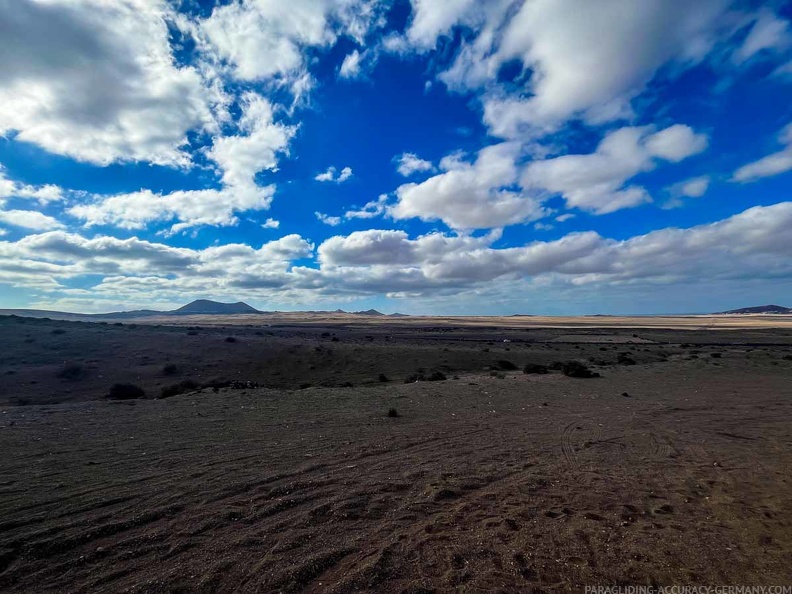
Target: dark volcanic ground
(672,470)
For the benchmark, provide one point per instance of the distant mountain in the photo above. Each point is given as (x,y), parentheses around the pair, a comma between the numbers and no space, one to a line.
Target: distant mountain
(370,312)
(206,307)
(760,309)
(398,315)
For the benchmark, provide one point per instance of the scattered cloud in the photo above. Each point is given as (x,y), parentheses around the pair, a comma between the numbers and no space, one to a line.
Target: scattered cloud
(42,194)
(239,158)
(372,209)
(330,175)
(104,87)
(767,33)
(351,66)
(477,195)
(410,163)
(327,219)
(753,244)
(773,164)
(596,182)
(29,219)
(270,224)
(575,71)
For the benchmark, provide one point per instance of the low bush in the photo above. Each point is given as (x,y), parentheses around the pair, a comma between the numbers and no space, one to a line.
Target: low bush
(180,388)
(72,372)
(126,392)
(393,413)
(577,369)
(170,369)
(505,365)
(230,339)
(535,368)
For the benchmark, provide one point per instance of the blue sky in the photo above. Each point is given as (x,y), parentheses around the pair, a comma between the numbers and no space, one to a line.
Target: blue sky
(459,157)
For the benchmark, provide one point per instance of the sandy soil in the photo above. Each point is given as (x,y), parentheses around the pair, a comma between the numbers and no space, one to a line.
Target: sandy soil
(674,470)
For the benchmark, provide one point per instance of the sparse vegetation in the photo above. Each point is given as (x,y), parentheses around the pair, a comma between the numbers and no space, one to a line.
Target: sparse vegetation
(535,368)
(625,359)
(382,377)
(393,413)
(435,376)
(58,331)
(230,339)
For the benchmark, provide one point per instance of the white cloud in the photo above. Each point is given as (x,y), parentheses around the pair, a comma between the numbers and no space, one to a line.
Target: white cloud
(239,158)
(96,81)
(596,182)
(268,39)
(768,33)
(41,194)
(410,163)
(476,195)
(565,217)
(327,219)
(372,209)
(579,53)
(330,175)
(350,67)
(695,187)
(29,219)
(774,164)
(753,244)
(270,224)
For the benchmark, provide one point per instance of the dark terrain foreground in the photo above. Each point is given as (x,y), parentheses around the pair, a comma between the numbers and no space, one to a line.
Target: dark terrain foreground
(674,467)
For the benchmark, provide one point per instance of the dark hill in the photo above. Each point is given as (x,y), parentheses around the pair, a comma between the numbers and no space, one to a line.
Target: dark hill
(204,306)
(761,309)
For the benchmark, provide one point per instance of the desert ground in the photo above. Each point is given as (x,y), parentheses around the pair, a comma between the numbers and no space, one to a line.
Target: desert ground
(290,453)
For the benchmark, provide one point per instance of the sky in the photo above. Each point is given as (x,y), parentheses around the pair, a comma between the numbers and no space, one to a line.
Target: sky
(457,157)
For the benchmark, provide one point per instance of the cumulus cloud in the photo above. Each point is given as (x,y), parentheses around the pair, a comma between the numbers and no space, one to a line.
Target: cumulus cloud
(773,164)
(596,182)
(270,224)
(409,163)
(330,175)
(753,244)
(476,195)
(97,81)
(239,157)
